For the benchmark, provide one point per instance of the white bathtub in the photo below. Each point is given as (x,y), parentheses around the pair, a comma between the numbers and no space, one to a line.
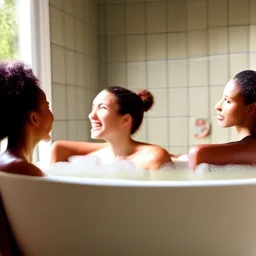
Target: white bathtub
(63,216)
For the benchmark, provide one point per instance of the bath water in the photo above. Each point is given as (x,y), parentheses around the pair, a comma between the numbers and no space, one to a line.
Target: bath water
(90,167)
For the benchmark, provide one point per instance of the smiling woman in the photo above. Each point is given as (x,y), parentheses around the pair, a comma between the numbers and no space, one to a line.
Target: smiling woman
(236,108)
(117,113)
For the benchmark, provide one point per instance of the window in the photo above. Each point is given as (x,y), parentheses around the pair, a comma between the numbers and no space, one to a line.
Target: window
(22,38)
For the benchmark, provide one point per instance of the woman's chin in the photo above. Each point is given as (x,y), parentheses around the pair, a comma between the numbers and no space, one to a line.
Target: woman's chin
(47,138)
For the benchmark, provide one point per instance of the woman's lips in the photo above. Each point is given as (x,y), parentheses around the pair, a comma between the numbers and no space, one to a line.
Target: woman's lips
(220,117)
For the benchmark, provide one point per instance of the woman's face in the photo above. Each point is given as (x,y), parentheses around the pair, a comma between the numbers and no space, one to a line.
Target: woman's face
(231,109)
(45,117)
(104,117)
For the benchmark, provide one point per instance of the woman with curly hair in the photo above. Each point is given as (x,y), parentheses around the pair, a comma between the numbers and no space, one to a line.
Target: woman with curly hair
(25,118)
(117,113)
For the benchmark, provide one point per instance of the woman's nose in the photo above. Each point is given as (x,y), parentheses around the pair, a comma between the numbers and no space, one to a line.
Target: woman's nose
(92,114)
(218,105)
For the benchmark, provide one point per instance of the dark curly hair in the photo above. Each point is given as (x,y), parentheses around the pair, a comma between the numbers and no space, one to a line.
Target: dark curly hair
(132,103)
(246,81)
(19,94)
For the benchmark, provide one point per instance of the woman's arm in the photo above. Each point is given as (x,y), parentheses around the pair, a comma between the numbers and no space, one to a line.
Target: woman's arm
(240,152)
(62,150)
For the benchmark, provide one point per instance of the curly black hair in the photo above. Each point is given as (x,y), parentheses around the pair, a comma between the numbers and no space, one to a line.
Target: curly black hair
(19,94)
(246,81)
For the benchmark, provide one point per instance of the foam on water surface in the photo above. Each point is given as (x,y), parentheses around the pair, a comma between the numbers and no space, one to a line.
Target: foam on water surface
(90,167)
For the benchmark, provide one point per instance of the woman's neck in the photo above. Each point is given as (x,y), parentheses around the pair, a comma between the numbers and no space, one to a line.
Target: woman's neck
(122,148)
(245,131)
(21,149)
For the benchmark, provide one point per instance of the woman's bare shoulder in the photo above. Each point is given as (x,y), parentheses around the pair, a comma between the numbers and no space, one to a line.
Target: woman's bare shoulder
(20,166)
(154,155)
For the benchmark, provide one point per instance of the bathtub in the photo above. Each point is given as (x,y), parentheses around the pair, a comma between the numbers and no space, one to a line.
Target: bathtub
(74,216)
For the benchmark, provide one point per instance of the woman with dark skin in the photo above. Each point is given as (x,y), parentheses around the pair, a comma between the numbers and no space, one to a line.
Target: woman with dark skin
(117,114)
(25,121)
(26,118)
(236,108)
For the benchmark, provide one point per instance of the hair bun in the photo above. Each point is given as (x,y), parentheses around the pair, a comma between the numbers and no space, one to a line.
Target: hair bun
(147,99)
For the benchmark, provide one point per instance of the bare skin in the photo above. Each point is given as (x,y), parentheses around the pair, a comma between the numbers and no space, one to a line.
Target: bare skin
(18,156)
(231,111)
(115,129)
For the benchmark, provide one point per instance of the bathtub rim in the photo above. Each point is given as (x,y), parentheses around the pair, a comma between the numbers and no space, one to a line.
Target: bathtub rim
(130,183)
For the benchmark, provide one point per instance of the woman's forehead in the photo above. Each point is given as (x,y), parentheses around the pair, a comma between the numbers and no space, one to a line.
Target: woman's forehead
(104,97)
(231,88)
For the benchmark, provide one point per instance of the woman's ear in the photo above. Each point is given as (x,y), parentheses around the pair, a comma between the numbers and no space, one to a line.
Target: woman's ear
(127,119)
(251,110)
(33,119)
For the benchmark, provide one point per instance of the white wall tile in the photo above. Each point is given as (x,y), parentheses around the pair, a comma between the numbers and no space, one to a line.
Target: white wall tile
(177,45)
(136,75)
(199,102)
(81,100)
(156,47)
(82,130)
(178,102)
(196,10)
(178,150)
(59,131)
(136,48)
(253,38)
(176,15)
(218,134)
(115,19)
(238,62)
(156,71)
(158,131)
(57,3)
(252,8)
(72,130)
(197,43)
(59,96)
(58,64)
(68,6)
(116,49)
(177,73)
(69,31)
(116,74)
(252,59)
(71,102)
(56,21)
(159,109)
(155,17)
(215,95)
(218,70)
(79,9)
(141,134)
(198,72)
(178,135)
(217,13)
(70,67)
(239,12)
(238,39)
(80,68)
(135,18)
(79,36)
(218,41)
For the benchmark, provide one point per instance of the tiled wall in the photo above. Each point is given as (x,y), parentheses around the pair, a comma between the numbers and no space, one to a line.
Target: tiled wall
(184,52)
(74,55)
